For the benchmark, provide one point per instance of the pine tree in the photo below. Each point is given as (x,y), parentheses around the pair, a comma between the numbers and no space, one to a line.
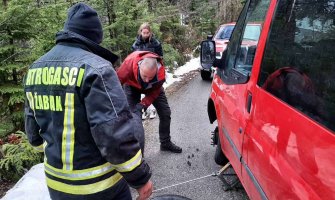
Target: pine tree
(121,20)
(27,31)
(16,29)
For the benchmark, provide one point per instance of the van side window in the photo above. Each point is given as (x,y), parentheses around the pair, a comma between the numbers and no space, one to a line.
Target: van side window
(244,41)
(252,31)
(298,65)
(235,39)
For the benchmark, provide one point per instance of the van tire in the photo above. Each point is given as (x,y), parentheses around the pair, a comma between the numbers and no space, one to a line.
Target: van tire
(205,75)
(219,157)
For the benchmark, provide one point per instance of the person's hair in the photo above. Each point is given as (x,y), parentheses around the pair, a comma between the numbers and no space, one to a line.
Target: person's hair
(145,25)
(150,63)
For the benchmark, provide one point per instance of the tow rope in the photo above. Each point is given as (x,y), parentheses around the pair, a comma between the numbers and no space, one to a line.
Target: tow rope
(202,177)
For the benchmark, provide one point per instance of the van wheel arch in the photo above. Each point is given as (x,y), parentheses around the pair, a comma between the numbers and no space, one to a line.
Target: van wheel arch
(211,111)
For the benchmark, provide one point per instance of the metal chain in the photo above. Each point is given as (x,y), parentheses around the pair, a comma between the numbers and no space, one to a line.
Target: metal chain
(209,175)
(163,188)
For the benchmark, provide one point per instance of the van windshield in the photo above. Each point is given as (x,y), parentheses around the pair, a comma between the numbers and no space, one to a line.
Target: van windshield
(225,32)
(252,32)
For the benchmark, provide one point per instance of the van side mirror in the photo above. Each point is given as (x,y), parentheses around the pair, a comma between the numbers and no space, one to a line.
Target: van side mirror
(207,53)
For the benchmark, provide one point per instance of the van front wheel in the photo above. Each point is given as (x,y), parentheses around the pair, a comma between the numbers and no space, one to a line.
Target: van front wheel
(206,75)
(219,157)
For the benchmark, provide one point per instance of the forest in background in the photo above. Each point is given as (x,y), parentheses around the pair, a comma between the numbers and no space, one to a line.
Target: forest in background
(28,28)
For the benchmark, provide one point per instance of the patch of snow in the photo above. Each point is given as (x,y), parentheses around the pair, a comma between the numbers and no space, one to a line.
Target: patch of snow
(32,186)
(191,65)
(170,78)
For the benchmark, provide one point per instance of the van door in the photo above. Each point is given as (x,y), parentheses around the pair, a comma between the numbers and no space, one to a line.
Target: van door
(236,95)
(290,136)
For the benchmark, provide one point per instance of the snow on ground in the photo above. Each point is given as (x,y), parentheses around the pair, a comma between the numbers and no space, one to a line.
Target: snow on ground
(193,64)
(32,186)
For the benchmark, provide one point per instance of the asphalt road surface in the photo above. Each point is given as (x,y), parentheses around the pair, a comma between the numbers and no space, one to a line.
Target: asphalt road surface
(190,128)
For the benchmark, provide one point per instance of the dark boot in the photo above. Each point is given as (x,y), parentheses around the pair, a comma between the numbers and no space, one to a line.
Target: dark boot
(169,146)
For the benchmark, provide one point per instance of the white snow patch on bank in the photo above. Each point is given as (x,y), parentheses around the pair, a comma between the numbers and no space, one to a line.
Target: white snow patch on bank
(32,186)
(191,65)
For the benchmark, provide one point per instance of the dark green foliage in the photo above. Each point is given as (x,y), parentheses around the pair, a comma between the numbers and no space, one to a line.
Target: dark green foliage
(5,127)
(171,55)
(27,31)
(16,30)
(17,157)
(204,17)
(121,21)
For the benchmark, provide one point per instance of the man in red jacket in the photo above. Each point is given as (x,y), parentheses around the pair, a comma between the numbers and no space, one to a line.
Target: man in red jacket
(143,72)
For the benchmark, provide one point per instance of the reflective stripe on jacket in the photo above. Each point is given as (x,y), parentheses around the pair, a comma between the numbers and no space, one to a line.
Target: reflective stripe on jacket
(76,108)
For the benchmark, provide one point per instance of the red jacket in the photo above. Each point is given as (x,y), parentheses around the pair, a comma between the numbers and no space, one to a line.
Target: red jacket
(128,74)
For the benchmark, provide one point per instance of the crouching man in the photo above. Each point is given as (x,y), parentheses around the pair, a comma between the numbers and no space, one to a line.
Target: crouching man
(143,72)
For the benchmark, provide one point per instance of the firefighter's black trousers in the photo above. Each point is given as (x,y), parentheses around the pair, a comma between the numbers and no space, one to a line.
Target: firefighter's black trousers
(162,106)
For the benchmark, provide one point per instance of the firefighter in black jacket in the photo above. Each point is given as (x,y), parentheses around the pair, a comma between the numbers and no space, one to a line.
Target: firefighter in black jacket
(77,112)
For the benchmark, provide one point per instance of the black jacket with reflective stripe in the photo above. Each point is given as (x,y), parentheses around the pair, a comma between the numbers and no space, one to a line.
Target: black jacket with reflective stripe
(76,108)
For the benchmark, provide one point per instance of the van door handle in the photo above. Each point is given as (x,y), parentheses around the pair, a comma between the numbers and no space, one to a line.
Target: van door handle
(249,100)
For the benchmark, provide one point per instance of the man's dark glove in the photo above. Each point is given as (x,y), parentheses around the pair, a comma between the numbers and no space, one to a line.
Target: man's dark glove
(139,109)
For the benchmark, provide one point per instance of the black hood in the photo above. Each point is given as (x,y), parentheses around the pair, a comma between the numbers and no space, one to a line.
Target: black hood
(84,20)
(74,39)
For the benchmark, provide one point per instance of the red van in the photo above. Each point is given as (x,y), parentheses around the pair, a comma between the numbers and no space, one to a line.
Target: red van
(221,39)
(274,100)
(222,36)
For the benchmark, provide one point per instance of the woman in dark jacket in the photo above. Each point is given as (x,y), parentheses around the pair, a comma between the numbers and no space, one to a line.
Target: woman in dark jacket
(145,41)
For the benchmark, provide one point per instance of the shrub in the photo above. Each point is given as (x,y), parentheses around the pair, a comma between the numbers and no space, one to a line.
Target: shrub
(172,55)
(17,156)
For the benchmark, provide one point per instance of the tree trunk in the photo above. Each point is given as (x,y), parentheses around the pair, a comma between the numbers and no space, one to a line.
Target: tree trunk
(229,10)
(111,16)
(11,42)
(2,76)
(150,6)
(57,12)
